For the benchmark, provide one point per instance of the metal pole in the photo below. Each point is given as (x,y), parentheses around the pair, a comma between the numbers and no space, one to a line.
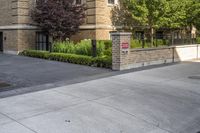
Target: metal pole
(50,43)
(94,48)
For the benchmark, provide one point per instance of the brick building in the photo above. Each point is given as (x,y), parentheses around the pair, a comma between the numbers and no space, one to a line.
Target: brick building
(17,30)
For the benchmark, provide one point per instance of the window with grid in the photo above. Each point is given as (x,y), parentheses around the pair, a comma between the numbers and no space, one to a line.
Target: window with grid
(42,41)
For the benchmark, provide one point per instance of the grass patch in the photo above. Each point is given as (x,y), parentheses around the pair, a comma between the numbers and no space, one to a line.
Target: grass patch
(135,43)
(84,47)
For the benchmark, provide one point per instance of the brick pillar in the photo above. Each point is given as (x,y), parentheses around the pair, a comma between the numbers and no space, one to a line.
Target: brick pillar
(120,50)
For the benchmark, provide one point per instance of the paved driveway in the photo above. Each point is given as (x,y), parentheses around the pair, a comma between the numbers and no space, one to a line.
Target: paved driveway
(160,100)
(21,72)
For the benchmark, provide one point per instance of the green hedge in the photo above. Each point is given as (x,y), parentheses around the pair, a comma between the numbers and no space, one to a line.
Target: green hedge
(70,58)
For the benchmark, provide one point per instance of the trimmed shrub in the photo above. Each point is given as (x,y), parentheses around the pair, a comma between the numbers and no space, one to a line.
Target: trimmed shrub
(34,53)
(70,58)
(103,62)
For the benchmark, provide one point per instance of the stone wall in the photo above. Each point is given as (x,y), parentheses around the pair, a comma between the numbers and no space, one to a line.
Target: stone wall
(155,56)
(10,41)
(134,58)
(26,39)
(145,57)
(22,11)
(98,21)
(16,41)
(15,12)
(103,12)
(84,34)
(6,12)
(15,24)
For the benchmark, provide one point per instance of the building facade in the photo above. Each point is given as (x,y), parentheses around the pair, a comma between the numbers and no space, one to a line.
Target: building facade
(98,21)
(17,30)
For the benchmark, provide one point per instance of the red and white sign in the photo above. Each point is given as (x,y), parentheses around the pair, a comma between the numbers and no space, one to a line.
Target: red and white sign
(125,45)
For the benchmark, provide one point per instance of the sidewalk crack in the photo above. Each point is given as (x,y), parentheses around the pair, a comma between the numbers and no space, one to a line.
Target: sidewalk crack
(133,115)
(18,122)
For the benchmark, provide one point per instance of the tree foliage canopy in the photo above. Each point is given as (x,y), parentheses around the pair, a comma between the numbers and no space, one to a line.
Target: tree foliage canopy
(155,14)
(145,12)
(193,13)
(59,18)
(159,13)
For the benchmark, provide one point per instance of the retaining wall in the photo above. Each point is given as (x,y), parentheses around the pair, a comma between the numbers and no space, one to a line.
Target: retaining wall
(125,58)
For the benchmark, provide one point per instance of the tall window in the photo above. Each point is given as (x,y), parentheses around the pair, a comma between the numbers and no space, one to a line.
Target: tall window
(111,1)
(42,41)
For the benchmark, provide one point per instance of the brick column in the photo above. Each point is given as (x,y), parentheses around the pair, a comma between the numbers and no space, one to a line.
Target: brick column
(120,50)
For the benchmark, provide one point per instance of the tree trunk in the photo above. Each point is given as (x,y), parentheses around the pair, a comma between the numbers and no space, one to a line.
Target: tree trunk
(191,40)
(151,35)
(143,43)
(172,34)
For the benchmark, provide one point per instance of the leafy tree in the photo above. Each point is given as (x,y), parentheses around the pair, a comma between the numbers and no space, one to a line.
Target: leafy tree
(175,16)
(59,18)
(193,13)
(149,13)
(183,14)
(121,17)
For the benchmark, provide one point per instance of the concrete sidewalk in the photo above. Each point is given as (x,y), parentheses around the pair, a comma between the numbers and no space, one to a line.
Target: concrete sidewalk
(160,100)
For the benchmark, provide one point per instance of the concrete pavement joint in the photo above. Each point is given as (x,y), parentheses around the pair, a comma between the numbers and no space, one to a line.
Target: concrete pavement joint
(54,110)
(133,115)
(18,122)
(85,98)
(4,123)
